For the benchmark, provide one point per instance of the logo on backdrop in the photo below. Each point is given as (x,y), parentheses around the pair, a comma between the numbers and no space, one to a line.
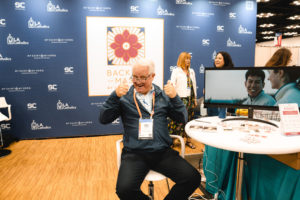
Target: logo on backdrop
(41,56)
(203,14)
(243,30)
(79,123)
(5,126)
(183,2)
(220,28)
(31,106)
(172,67)
(64,106)
(213,56)
(161,11)
(232,15)
(40,126)
(125,45)
(16,89)
(52,88)
(116,122)
(34,24)
(188,28)
(205,42)
(201,69)
(96,8)
(97,104)
(249,5)
(15,41)
(2,23)
(134,9)
(219,3)
(29,71)
(4,58)
(231,43)
(69,70)
(52,8)
(58,40)
(20,5)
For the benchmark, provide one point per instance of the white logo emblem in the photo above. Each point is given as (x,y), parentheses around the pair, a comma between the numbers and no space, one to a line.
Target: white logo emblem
(4,58)
(117,121)
(232,15)
(220,28)
(213,57)
(20,5)
(172,68)
(5,126)
(36,126)
(205,42)
(232,43)
(183,2)
(34,24)
(69,70)
(201,69)
(61,106)
(52,8)
(161,11)
(243,30)
(2,23)
(52,87)
(31,106)
(15,41)
(249,5)
(134,9)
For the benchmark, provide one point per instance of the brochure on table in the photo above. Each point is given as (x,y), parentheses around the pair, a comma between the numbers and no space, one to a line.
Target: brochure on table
(289,119)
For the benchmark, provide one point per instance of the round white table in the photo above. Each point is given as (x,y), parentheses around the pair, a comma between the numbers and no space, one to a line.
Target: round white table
(242,136)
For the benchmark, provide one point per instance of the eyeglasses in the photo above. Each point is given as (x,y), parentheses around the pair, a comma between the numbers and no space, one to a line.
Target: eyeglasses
(142,78)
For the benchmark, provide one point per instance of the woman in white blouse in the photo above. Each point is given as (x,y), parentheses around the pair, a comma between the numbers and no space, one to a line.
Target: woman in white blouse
(184,80)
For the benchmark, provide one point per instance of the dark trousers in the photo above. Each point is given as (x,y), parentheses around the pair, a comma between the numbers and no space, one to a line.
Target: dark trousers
(135,166)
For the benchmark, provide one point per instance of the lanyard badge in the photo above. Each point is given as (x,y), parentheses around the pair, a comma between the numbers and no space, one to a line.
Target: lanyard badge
(145,125)
(145,129)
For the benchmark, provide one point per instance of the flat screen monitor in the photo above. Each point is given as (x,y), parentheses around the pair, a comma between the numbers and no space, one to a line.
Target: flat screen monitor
(260,88)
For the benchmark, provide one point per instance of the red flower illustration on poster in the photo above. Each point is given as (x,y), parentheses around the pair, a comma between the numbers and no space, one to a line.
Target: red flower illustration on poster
(126,45)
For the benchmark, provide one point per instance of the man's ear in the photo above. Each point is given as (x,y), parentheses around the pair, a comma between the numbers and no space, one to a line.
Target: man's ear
(263,84)
(281,73)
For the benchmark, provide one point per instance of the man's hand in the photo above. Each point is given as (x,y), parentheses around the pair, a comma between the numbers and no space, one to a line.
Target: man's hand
(122,89)
(170,90)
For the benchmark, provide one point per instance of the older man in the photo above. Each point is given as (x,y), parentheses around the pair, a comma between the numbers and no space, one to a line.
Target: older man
(144,109)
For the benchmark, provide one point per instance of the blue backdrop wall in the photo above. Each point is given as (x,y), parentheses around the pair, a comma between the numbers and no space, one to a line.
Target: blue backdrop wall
(44,59)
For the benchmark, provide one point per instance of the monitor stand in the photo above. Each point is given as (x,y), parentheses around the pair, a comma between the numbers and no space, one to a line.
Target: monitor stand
(250,118)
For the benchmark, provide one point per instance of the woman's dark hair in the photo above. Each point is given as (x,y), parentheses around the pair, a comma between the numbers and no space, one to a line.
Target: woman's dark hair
(227,60)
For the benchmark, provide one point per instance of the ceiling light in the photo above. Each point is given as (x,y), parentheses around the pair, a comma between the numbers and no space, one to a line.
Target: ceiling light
(267,32)
(296,3)
(269,37)
(265,15)
(290,33)
(263,1)
(295,17)
(266,25)
(293,26)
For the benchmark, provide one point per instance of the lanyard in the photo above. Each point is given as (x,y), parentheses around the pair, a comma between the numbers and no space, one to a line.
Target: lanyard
(138,108)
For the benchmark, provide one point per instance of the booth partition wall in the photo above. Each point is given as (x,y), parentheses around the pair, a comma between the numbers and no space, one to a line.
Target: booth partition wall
(59,60)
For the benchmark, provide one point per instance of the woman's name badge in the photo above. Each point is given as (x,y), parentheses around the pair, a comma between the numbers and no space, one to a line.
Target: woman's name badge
(146,129)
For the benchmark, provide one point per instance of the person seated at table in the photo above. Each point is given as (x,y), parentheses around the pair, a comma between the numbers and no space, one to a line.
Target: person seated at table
(254,83)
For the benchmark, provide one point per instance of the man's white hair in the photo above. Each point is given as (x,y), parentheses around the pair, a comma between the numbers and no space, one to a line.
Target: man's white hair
(145,62)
